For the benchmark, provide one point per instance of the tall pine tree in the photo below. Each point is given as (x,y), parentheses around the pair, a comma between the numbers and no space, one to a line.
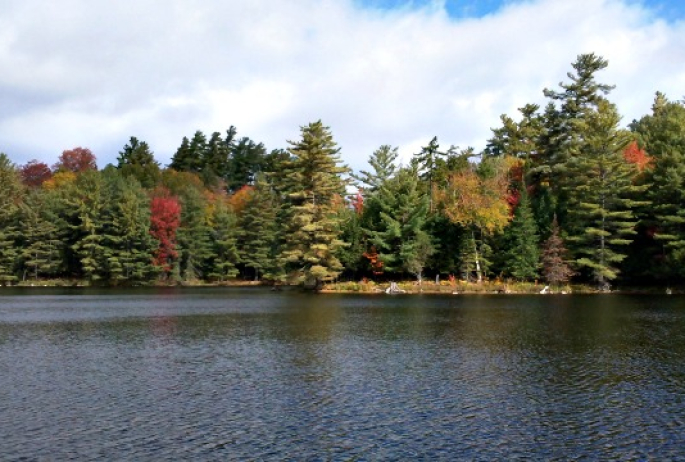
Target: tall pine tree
(313,184)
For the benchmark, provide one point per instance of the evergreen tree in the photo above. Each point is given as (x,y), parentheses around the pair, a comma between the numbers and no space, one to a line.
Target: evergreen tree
(182,159)
(427,161)
(518,139)
(383,163)
(274,160)
(194,235)
(601,195)
(257,228)
(86,201)
(41,245)
(247,160)
(447,238)
(563,137)
(402,242)
(521,256)
(191,155)
(224,252)
(352,234)
(663,136)
(578,99)
(137,160)
(126,241)
(314,187)
(215,162)
(10,199)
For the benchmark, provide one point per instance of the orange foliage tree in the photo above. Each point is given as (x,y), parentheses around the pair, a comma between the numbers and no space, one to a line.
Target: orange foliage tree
(634,155)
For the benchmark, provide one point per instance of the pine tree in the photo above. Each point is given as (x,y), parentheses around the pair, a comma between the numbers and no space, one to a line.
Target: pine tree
(402,242)
(601,196)
(126,240)
(247,160)
(224,250)
(427,161)
(563,137)
(41,245)
(663,136)
(194,236)
(85,199)
(191,155)
(383,163)
(10,199)
(215,160)
(518,139)
(313,184)
(257,228)
(137,160)
(521,256)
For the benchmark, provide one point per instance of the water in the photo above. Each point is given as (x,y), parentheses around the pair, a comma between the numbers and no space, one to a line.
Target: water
(245,374)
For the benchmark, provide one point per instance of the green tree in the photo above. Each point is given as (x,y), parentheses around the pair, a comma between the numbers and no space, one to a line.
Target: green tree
(314,188)
(215,160)
(518,139)
(427,161)
(602,195)
(127,245)
(521,255)
(565,124)
(663,135)
(41,246)
(194,235)
(191,155)
(224,244)
(402,242)
(137,160)
(247,160)
(11,193)
(257,228)
(85,199)
(383,163)
(352,234)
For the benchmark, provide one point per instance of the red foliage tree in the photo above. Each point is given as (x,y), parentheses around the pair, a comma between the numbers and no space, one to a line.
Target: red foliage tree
(374,260)
(164,221)
(76,160)
(358,202)
(35,173)
(634,155)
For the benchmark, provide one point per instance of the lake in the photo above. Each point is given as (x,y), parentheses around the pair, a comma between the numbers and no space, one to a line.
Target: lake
(245,373)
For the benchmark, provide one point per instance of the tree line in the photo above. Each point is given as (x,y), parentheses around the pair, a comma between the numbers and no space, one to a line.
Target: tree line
(559,193)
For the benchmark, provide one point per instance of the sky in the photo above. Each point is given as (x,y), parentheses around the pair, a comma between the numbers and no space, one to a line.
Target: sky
(93,74)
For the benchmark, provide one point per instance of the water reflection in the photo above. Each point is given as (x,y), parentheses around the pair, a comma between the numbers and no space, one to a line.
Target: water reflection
(249,374)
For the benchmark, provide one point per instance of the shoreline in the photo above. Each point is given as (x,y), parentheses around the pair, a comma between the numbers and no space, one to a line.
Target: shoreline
(374,288)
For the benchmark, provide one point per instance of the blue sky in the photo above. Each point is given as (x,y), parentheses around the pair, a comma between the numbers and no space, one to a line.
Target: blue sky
(93,74)
(666,9)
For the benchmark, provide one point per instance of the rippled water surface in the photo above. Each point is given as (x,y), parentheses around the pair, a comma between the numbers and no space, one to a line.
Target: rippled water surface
(220,374)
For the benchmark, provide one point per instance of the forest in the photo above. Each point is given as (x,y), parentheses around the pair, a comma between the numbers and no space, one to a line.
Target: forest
(560,193)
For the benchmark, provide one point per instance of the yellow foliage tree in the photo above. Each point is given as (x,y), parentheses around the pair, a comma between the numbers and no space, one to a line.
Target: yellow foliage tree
(60,179)
(477,202)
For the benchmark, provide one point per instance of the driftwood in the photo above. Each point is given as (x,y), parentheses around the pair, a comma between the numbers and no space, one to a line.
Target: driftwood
(394,289)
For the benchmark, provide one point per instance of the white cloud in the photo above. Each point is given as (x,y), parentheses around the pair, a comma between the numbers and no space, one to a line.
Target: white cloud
(93,73)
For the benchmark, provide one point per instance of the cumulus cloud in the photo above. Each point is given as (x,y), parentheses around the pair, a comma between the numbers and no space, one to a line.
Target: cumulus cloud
(80,73)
